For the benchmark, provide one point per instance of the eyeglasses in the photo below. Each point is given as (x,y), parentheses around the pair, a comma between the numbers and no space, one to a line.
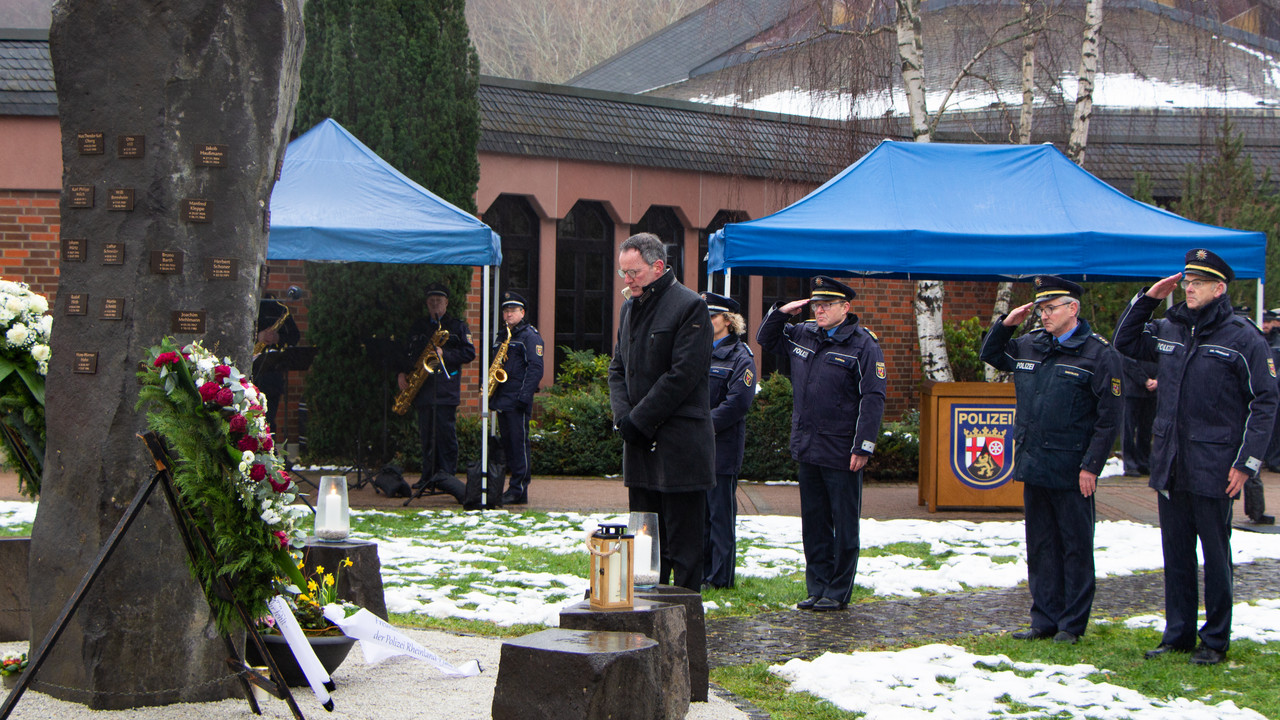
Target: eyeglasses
(825,306)
(631,274)
(1048,309)
(1197,283)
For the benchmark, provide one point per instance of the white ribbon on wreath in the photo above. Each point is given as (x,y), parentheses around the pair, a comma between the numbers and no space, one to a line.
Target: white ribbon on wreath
(380,640)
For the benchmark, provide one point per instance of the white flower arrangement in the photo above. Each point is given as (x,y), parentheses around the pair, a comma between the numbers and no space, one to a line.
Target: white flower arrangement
(24,322)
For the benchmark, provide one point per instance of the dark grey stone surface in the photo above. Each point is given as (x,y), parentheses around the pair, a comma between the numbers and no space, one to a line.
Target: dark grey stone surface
(180,75)
(362,582)
(15,609)
(571,674)
(663,622)
(695,624)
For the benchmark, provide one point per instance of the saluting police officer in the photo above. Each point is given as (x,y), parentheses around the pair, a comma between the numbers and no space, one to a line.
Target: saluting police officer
(838,385)
(513,399)
(1214,410)
(1067,380)
(733,387)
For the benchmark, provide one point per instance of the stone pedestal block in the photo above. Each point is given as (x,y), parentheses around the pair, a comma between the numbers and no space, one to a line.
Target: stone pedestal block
(574,675)
(695,625)
(664,623)
(362,582)
(15,601)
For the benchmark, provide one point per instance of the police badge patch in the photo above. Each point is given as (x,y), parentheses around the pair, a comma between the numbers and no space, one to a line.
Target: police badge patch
(1115,386)
(981,445)
(538,349)
(747,378)
(1271,365)
(880,372)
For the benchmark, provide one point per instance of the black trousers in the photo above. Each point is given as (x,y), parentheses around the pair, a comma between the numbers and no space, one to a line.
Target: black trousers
(1060,573)
(830,515)
(1139,414)
(720,541)
(513,428)
(441,420)
(272,385)
(681,517)
(1184,518)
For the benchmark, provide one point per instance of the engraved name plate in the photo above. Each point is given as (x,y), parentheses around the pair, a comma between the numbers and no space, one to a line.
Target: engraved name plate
(221,268)
(166,262)
(112,309)
(80,196)
(85,363)
(77,303)
(74,249)
(120,200)
(131,146)
(89,143)
(113,253)
(210,155)
(187,321)
(196,210)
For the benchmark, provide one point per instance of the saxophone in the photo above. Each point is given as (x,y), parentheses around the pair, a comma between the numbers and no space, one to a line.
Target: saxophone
(428,363)
(258,347)
(497,375)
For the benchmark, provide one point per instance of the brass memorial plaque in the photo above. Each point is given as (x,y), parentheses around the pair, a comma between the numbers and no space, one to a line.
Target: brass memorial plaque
(80,196)
(120,200)
(166,262)
(196,210)
(113,253)
(266,220)
(187,321)
(217,268)
(112,309)
(131,146)
(85,363)
(74,249)
(89,143)
(210,155)
(77,303)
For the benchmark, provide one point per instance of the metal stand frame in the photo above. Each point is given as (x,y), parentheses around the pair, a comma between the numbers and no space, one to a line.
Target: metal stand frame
(194,541)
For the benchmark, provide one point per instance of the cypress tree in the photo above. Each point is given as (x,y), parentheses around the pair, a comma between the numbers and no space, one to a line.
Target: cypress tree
(402,76)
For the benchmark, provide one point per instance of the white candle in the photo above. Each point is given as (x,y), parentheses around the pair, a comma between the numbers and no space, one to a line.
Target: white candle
(332,512)
(644,556)
(615,577)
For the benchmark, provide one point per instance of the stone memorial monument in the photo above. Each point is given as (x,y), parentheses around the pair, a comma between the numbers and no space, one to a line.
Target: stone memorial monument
(174,119)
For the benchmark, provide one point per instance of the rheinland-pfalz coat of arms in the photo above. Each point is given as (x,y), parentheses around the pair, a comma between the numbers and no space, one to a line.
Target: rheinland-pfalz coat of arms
(982,445)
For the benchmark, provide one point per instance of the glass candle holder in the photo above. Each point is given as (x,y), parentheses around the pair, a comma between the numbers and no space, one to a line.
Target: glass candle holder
(648,548)
(333,515)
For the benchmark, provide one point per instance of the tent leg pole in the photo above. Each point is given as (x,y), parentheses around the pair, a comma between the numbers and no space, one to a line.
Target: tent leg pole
(485,317)
(1258,305)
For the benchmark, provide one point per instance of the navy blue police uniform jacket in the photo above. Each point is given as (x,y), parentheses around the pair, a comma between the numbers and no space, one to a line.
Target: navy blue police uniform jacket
(837,385)
(524,368)
(1069,402)
(733,387)
(1217,393)
(457,351)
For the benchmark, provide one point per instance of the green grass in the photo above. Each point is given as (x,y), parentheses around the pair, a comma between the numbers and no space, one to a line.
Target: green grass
(755,595)
(458,625)
(769,693)
(19,530)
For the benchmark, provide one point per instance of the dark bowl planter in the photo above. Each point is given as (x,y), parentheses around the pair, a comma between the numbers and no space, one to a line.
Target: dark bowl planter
(331,650)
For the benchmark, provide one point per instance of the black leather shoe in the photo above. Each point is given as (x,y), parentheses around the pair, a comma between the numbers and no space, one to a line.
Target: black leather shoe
(1207,656)
(827,605)
(1033,634)
(1066,638)
(510,498)
(1163,648)
(808,603)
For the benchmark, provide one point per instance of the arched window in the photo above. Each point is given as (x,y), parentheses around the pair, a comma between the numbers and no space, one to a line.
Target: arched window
(584,280)
(515,221)
(662,221)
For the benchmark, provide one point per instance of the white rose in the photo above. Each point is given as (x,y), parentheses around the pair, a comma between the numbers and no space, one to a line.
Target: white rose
(15,304)
(46,325)
(17,334)
(39,304)
(270,517)
(40,352)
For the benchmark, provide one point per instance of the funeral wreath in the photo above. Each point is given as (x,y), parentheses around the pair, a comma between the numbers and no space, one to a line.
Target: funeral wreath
(24,361)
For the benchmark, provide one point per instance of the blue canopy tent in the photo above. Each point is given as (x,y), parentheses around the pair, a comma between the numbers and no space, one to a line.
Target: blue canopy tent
(974,212)
(337,201)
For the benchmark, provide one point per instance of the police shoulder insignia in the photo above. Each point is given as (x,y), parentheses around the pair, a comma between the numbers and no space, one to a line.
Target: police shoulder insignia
(1115,386)
(872,333)
(1271,365)
(1101,339)
(748,377)
(538,349)
(880,371)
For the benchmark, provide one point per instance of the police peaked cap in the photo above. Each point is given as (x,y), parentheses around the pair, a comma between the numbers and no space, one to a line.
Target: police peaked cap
(1049,287)
(823,288)
(510,299)
(721,304)
(437,289)
(1204,262)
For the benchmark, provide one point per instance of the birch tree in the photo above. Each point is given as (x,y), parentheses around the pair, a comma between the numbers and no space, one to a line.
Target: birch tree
(1084,92)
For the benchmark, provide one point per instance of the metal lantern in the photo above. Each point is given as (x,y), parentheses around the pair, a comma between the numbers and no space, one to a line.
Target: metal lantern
(333,516)
(612,580)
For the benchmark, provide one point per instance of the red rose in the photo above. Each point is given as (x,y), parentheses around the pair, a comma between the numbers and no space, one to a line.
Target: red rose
(257,472)
(280,485)
(221,372)
(224,397)
(248,443)
(282,537)
(209,391)
(237,423)
(266,443)
(255,408)
(166,358)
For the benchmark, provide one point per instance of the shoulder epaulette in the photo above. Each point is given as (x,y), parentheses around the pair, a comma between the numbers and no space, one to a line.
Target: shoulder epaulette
(872,333)
(1101,339)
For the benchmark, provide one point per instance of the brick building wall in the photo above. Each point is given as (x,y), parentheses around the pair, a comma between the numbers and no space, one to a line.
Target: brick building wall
(29,223)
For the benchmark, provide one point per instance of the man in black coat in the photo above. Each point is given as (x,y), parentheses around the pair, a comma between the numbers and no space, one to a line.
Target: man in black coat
(513,398)
(1067,380)
(1139,412)
(658,390)
(1214,413)
(838,381)
(438,398)
(276,330)
(733,387)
